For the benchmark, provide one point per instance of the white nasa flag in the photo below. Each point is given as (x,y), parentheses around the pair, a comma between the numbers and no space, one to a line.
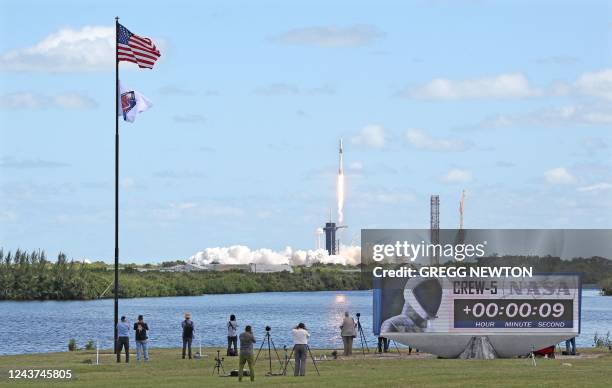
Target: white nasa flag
(132,103)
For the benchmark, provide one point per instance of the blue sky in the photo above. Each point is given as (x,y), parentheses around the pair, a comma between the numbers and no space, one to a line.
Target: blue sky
(507,100)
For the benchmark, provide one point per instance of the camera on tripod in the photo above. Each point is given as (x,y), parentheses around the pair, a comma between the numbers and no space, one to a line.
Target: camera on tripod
(218,364)
(358,315)
(219,359)
(268,328)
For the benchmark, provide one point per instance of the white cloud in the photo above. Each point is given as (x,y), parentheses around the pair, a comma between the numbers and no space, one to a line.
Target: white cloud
(502,86)
(559,176)
(595,188)
(28,100)
(240,254)
(87,49)
(418,138)
(371,135)
(330,37)
(591,115)
(457,176)
(595,84)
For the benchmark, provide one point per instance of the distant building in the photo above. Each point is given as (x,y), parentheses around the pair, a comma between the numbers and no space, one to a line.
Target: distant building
(184,268)
(253,268)
(269,268)
(226,267)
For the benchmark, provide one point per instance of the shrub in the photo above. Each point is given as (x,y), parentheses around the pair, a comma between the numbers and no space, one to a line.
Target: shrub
(90,345)
(72,345)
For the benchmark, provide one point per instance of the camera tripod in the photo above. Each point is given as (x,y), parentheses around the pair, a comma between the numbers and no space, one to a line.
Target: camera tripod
(268,339)
(362,337)
(287,360)
(218,364)
(383,346)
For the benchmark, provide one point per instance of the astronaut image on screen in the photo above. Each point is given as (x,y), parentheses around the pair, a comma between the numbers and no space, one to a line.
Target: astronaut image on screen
(422,298)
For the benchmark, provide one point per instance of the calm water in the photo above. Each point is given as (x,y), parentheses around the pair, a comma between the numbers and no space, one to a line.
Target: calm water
(30,327)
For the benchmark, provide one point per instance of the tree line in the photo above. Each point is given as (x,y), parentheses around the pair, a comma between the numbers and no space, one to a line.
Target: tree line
(31,276)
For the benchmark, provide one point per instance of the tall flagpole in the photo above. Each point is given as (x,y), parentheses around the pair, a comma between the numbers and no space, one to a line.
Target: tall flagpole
(116,182)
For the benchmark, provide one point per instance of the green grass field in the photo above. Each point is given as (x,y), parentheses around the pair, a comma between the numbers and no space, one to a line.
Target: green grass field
(166,368)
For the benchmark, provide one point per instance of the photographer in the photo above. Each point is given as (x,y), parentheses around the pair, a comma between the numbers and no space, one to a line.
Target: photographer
(123,339)
(232,338)
(246,353)
(141,329)
(347,331)
(188,330)
(300,348)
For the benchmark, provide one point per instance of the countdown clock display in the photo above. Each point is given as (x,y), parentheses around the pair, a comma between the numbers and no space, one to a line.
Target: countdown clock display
(513,313)
(543,303)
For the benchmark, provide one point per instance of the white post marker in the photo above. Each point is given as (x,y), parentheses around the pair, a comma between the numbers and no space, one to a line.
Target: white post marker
(97,353)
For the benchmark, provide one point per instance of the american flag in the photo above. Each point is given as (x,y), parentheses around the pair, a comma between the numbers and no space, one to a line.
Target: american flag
(134,48)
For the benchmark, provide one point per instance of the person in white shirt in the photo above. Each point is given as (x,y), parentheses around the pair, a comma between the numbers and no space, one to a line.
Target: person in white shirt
(300,348)
(347,332)
(232,336)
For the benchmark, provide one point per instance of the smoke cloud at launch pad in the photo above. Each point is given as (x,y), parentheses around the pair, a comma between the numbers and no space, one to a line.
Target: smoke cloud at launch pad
(241,254)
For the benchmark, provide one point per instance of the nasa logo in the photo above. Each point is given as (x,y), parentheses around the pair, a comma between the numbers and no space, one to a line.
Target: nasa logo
(128,101)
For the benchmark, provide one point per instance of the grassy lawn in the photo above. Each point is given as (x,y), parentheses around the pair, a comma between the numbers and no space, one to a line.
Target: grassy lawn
(166,368)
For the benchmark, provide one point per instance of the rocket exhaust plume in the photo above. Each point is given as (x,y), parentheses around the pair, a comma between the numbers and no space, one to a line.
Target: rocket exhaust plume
(340,187)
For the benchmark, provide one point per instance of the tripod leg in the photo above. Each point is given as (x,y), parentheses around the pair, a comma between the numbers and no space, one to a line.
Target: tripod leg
(313,360)
(363,338)
(259,351)
(277,355)
(287,361)
(397,347)
(269,356)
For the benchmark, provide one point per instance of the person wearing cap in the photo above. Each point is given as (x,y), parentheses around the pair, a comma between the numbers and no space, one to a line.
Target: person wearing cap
(347,332)
(188,330)
(141,329)
(123,339)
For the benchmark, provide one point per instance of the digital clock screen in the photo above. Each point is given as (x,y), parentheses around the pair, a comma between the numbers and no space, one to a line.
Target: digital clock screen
(513,313)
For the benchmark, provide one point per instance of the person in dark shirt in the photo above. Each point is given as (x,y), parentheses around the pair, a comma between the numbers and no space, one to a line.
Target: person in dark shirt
(141,329)
(188,330)
(246,353)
